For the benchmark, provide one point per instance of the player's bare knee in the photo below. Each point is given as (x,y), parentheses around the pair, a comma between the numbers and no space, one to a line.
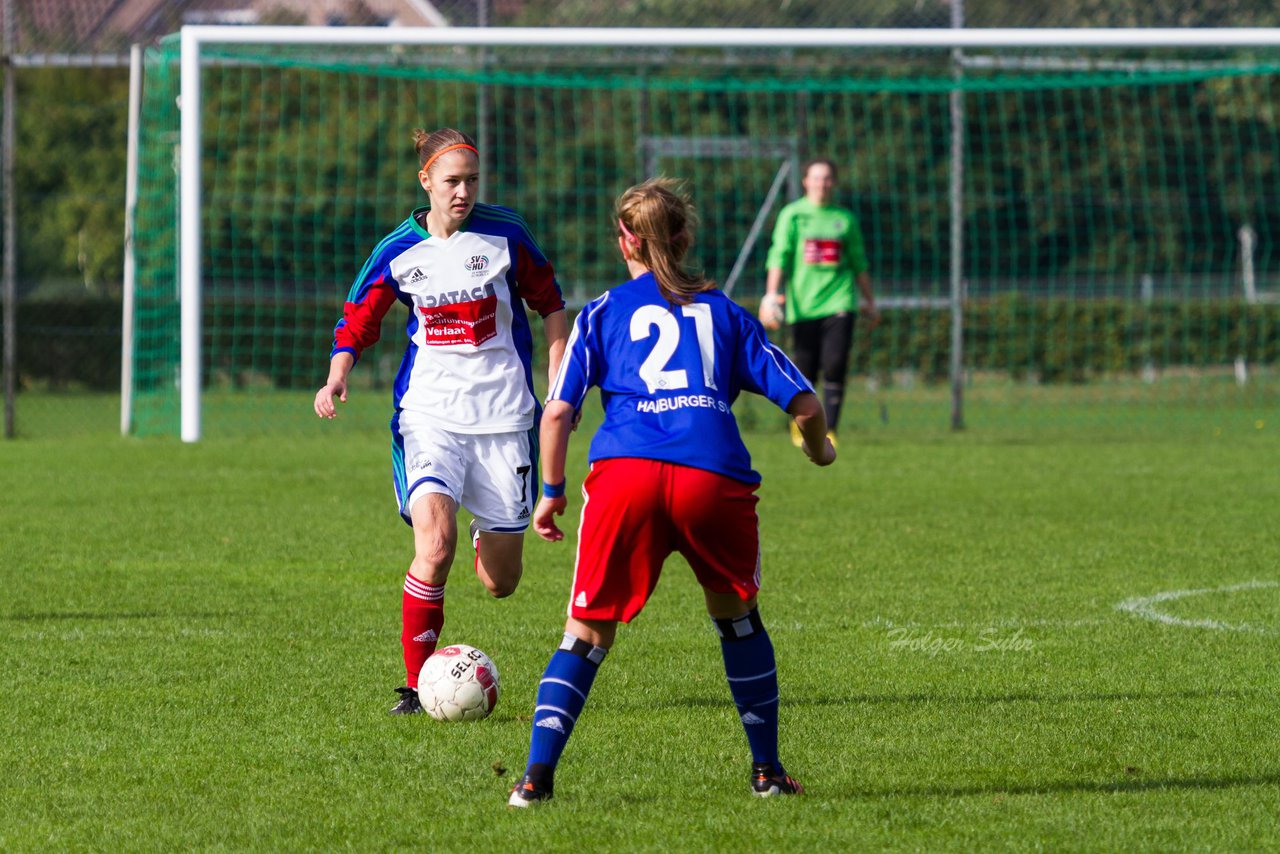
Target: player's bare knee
(503,585)
(503,589)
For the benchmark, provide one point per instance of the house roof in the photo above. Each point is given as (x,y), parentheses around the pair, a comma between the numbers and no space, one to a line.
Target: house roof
(89,26)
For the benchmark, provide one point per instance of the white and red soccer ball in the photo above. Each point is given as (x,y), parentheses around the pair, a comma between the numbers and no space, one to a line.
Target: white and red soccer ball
(458,683)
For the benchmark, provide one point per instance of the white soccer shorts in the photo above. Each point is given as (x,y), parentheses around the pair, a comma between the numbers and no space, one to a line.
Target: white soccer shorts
(493,475)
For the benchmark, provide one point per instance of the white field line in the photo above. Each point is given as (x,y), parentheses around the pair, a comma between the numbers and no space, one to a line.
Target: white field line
(1145,607)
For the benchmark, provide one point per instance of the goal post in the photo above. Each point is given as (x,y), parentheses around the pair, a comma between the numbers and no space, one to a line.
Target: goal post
(885,118)
(189,242)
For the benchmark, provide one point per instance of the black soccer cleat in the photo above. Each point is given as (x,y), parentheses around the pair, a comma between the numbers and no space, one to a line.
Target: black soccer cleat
(532,789)
(769,780)
(409,703)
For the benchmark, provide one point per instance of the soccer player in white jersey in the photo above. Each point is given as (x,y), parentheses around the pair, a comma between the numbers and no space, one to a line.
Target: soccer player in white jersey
(669,472)
(464,432)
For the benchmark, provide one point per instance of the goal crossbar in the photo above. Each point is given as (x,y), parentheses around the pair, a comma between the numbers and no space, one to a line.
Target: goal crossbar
(642,37)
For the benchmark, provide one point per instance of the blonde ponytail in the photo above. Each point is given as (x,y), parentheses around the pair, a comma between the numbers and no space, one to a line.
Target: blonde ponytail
(660,217)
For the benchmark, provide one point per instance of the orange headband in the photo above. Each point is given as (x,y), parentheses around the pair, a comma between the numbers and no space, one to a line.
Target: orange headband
(446,149)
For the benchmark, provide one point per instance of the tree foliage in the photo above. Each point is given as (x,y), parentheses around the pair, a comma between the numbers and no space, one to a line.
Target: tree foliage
(1095,180)
(70,177)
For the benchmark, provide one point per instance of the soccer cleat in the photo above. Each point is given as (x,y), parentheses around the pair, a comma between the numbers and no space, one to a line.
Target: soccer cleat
(528,793)
(769,780)
(409,703)
(797,438)
(831,434)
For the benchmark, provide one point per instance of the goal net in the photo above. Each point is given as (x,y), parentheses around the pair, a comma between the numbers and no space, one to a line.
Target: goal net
(1115,260)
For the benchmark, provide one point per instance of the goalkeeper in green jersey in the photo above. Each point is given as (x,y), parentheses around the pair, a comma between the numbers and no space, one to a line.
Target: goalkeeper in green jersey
(817,255)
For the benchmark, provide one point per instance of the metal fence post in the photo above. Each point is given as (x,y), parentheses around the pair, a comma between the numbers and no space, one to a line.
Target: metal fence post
(10,231)
(957,228)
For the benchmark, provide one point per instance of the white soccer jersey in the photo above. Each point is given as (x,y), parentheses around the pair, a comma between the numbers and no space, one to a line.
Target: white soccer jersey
(467,366)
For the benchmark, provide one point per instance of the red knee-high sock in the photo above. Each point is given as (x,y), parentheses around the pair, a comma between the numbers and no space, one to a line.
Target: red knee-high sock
(422,612)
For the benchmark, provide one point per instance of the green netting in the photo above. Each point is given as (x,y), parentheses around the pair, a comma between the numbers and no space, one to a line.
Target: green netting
(1121,213)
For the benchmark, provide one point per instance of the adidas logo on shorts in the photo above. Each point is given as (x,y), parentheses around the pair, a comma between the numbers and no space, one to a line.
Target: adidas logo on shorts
(580,601)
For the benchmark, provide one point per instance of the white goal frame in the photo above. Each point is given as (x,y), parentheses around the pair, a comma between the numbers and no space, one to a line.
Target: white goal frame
(195,38)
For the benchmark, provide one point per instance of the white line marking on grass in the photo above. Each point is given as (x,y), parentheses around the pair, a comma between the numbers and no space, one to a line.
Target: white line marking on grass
(1144,606)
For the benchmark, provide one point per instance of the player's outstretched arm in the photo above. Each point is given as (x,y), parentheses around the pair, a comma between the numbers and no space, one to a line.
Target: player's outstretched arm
(555,326)
(557,422)
(807,410)
(336,386)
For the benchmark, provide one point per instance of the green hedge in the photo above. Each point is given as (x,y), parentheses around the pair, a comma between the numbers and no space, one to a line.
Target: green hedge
(1059,340)
(69,344)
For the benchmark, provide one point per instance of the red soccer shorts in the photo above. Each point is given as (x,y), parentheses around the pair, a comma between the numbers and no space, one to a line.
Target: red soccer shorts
(637,512)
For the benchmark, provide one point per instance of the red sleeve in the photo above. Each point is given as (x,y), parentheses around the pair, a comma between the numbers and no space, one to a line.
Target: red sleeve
(536,282)
(361,322)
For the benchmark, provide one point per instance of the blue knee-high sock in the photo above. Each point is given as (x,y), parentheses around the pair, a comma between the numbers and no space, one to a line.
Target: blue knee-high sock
(561,696)
(753,681)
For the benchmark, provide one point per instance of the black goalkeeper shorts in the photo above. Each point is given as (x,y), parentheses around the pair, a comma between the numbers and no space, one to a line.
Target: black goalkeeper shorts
(820,348)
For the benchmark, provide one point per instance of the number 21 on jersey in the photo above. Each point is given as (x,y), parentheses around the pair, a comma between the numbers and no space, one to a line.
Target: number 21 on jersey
(654,368)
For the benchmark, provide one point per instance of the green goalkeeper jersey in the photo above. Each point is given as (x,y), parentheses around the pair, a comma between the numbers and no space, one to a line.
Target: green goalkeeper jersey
(820,252)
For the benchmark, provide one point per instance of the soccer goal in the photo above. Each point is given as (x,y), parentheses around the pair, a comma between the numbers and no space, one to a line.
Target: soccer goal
(1050,215)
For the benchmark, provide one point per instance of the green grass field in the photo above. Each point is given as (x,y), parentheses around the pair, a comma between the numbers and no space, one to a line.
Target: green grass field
(199,645)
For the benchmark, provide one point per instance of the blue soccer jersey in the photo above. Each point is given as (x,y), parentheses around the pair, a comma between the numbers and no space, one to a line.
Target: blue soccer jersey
(668,375)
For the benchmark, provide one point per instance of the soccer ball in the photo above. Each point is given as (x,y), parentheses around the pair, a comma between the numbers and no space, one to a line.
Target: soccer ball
(458,683)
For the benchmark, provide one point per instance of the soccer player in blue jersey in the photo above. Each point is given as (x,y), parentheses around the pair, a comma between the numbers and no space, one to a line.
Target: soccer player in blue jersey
(669,472)
(463,432)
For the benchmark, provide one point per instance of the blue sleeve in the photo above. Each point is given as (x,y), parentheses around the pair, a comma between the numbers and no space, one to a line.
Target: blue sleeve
(580,369)
(763,368)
